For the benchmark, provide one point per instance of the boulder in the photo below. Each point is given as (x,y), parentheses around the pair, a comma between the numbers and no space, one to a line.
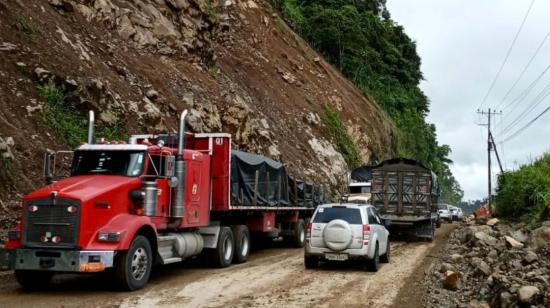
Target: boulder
(485,238)
(152,94)
(457,257)
(506,299)
(482,266)
(527,294)
(450,281)
(519,236)
(446,267)
(540,237)
(511,242)
(530,257)
(493,221)
(178,4)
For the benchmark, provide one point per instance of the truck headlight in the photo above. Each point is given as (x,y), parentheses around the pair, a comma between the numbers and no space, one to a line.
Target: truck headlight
(108,236)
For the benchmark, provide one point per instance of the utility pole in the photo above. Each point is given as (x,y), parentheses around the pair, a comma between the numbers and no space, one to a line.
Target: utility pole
(490,144)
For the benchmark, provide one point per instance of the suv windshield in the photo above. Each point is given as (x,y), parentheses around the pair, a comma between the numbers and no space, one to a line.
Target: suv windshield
(359,189)
(125,163)
(327,214)
(442,206)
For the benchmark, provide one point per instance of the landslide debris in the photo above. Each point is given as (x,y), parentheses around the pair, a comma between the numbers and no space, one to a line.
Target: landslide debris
(493,264)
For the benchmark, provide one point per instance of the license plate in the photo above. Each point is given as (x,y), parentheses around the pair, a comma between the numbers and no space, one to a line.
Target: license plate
(336,257)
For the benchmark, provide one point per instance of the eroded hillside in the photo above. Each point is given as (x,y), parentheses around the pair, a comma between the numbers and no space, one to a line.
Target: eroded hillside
(235,64)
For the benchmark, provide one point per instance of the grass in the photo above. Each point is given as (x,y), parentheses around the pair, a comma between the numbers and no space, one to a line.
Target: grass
(338,132)
(524,194)
(28,27)
(67,122)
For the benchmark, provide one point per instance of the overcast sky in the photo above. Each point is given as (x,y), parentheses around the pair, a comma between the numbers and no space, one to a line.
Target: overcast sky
(462,45)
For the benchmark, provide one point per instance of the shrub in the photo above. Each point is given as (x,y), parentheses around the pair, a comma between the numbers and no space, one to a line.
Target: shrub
(525,193)
(338,132)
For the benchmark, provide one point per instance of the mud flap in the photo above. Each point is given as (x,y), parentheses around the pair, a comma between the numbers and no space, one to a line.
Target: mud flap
(425,229)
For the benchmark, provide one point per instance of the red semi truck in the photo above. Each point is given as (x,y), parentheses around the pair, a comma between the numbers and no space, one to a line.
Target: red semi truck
(157,199)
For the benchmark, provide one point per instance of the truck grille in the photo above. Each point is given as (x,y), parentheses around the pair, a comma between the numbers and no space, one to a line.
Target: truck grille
(50,223)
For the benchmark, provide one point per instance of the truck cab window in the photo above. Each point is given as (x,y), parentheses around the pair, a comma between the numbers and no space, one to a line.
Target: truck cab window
(156,165)
(124,163)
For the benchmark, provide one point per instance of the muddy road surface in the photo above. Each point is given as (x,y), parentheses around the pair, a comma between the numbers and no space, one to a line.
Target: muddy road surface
(273,277)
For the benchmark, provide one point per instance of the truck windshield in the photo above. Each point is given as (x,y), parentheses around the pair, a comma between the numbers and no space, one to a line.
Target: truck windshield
(359,189)
(125,163)
(327,214)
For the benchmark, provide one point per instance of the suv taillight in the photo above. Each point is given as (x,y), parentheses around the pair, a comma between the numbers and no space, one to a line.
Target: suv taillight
(366,234)
(308,232)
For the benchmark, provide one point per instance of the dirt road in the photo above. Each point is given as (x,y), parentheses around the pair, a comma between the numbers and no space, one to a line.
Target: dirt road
(272,278)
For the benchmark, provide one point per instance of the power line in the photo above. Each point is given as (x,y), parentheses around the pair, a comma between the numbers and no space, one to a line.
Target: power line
(525,68)
(507,55)
(519,131)
(526,92)
(535,103)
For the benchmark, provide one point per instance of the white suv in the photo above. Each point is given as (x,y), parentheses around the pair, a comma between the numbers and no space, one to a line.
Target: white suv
(347,231)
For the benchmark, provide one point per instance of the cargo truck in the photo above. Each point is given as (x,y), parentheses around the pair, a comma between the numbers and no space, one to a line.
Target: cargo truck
(405,193)
(157,199)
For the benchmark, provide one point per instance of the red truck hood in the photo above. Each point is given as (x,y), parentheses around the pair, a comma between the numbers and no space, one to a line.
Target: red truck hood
(84,187)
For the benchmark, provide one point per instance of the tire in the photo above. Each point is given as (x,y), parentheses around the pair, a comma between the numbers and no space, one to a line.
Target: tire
(374,264)
(311,262)
(242,243)
(298,237)
(133,267)
(33,280)
(222,255)
(385,258)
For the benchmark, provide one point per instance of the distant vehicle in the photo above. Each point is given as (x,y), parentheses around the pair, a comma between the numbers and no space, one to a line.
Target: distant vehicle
(405,193)
(360,185)
(444,212)
(456,213)
(347,231)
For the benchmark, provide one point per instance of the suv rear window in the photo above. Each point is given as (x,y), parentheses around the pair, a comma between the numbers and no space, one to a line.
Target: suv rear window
(327,214)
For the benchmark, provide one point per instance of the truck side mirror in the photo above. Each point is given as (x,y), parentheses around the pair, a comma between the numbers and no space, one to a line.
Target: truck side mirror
(169,166)
(49,166)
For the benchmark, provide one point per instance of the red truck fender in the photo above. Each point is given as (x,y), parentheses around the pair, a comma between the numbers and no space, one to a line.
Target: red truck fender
(127,226)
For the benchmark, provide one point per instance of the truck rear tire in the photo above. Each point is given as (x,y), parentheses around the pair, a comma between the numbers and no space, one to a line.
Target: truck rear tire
(33,280)
(133,267)
(222,255)
(242,243)
(298,234)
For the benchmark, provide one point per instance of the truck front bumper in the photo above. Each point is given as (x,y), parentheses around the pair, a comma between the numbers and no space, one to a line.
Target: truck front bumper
(56,260)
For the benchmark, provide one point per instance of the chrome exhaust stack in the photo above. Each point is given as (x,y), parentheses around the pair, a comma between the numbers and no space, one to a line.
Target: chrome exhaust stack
(178,198)
(91,121)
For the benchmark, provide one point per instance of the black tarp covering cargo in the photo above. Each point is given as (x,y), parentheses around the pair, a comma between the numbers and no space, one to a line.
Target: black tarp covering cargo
(362,174)
(260,181)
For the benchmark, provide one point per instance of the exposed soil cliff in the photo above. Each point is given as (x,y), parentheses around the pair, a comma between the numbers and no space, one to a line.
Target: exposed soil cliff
(235,64)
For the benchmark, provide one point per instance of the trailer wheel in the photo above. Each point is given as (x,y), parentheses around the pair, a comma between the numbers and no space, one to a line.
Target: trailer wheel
(133,267)
(242,243)
(374,264)
(33,280)
(222,255)
(298,237)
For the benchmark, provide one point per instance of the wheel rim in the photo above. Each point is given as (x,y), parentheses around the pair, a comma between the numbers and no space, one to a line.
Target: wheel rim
(244,246)
(302,235)
(139,263)
(228,248)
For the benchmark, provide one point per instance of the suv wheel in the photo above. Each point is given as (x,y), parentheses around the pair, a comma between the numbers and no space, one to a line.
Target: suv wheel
(375,262)
(311,262)
(385,258)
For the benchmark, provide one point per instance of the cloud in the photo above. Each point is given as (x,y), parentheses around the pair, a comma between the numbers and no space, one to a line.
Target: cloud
(462,45)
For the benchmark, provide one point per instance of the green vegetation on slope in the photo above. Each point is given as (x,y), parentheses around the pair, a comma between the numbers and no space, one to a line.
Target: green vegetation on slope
(525,193)
(361,39)
(67,121)
(337,130)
